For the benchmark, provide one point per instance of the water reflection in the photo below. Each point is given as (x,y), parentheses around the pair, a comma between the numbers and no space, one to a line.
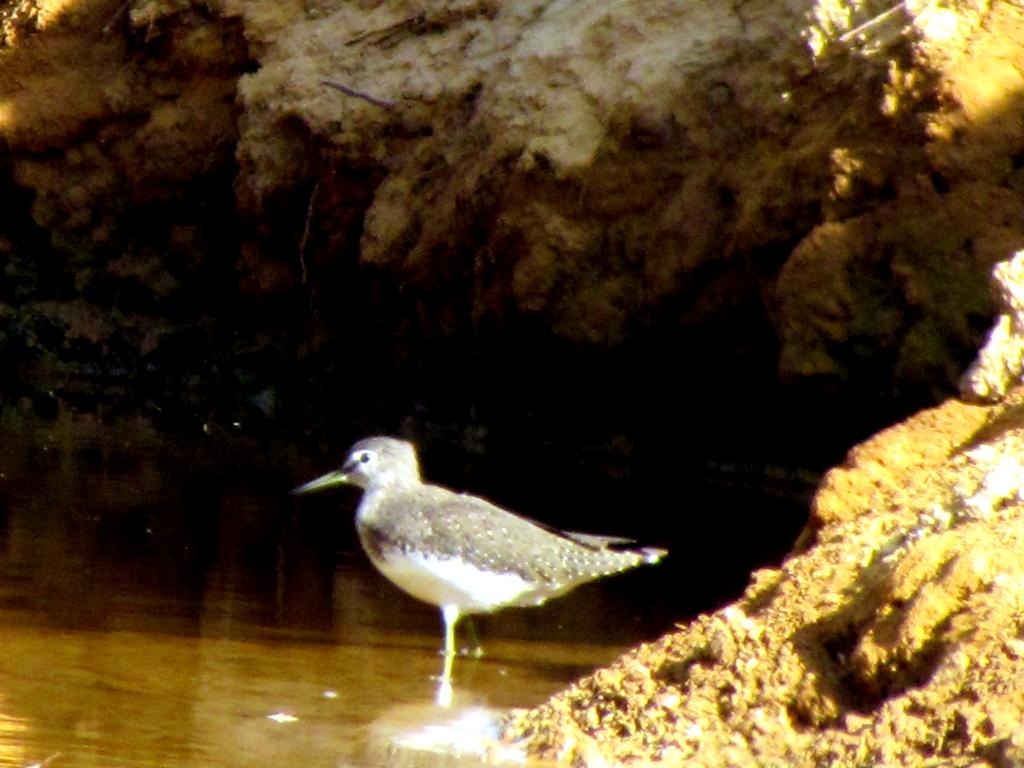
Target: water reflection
(164,602)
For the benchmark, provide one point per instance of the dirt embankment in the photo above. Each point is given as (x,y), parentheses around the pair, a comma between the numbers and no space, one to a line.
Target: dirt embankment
(117,138)
(892,636)
(604,168)
(763,186)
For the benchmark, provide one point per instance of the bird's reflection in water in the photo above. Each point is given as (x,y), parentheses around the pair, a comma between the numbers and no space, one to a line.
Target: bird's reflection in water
(419,734)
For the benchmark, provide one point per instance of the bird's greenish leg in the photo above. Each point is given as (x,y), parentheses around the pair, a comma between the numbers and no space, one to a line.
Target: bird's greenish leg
(450,614)
(476,650)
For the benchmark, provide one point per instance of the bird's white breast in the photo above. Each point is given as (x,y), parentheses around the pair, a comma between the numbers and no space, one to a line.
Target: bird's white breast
(450,581)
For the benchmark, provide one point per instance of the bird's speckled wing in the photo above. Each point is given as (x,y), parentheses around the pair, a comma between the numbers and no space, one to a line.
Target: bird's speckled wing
(479,532)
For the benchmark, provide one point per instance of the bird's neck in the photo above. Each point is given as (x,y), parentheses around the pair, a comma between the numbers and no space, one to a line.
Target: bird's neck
(373,499)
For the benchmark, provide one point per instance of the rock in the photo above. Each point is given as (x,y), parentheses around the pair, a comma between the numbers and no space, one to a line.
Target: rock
(1001,361)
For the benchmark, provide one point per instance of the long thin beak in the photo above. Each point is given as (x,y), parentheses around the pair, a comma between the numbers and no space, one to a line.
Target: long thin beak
(337,477)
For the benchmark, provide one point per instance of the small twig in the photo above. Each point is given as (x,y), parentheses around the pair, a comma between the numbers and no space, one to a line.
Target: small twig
(383,33)
(109,26)
(348,91)
(306,230)
(871,22)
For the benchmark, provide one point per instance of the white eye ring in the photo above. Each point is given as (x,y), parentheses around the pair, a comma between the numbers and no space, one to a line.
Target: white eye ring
(362,458)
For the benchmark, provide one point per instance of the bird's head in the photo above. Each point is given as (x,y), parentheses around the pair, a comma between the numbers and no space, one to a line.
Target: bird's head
(375,462)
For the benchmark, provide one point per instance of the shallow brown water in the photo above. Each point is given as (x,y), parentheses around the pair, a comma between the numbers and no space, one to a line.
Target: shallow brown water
(164,602)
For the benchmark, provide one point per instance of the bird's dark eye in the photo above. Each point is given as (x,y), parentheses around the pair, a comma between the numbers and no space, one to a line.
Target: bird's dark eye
(364,458)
